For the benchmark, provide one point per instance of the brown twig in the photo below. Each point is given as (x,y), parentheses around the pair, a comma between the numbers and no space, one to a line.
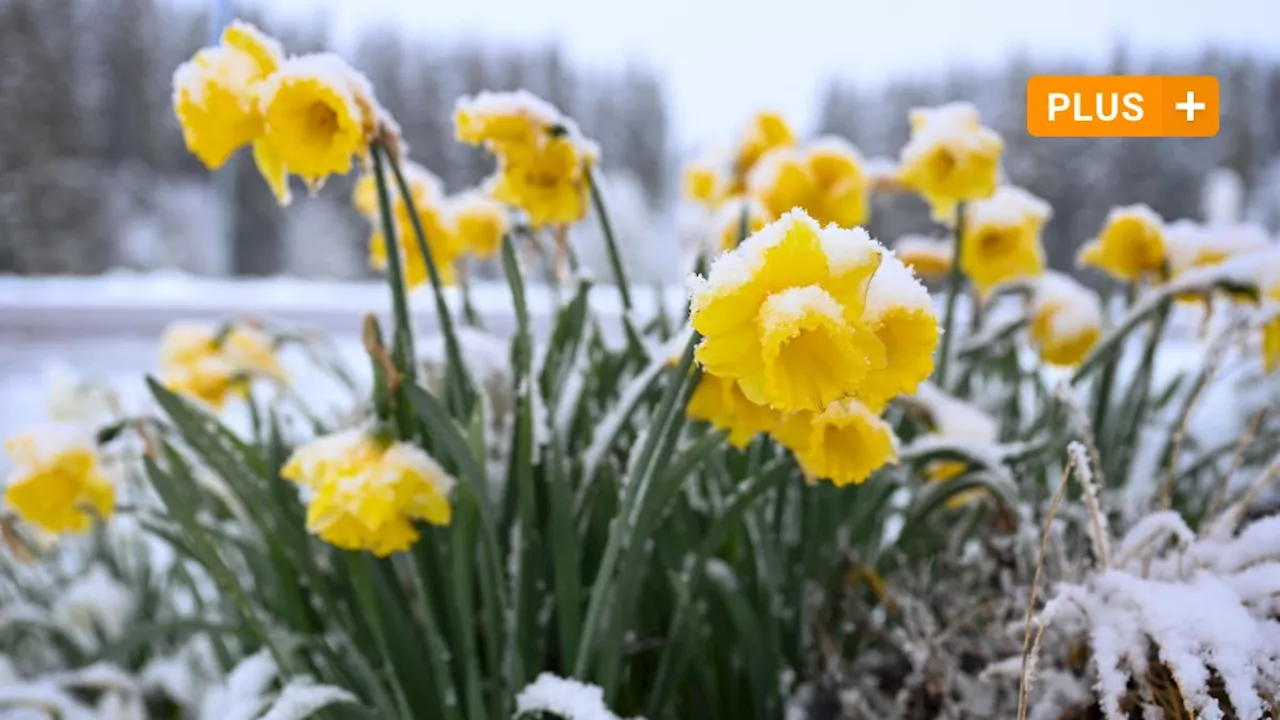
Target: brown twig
(1024,684)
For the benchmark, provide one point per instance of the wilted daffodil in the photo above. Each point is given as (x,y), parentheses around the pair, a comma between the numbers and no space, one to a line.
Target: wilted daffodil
(365,493)
(543,159)
(787,315)
(929,258)
(319,113)
(56,482)
(825,177)
(720,402)
(1066,319)
(215,93)
(196,361)
(951,157)
(844,443)
(479,223)
(1001,240)
(1131,245)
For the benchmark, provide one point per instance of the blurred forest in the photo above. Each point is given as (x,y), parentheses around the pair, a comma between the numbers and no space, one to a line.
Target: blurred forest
(94,175)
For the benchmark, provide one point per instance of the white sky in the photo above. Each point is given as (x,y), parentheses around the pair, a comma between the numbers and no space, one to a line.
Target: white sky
(722,59)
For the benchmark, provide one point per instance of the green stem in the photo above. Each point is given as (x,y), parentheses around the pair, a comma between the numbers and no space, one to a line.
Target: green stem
(954,280)
(1102,401)
(402,339)
(456,370)
(620,532)
(611,243)
(362,581)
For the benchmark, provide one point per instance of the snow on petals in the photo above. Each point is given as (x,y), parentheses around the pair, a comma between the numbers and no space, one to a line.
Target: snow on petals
(366,492)
(1001,239)
(951,157)
(1066,319)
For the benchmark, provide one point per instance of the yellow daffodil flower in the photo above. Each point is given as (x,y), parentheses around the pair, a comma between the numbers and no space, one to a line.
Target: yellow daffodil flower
(56,482)
(1130,246)
(215,93)
(951,157)
(1066,319)
(825,178)
(929,258)
(720,402)
(1001,239)
(365,493)
(845,443)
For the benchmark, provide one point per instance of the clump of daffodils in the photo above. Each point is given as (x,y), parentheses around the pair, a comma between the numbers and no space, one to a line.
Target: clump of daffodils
(1131,245)
(929,258)
(1001,239)
(365,492)
(57,482)
(544,161)
(198,361)
(825,177)
(951,158)
(713,180)
(307,115)
(820,325)
(1066,319)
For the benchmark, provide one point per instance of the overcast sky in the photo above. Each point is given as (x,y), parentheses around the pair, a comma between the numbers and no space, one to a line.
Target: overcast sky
(724,58)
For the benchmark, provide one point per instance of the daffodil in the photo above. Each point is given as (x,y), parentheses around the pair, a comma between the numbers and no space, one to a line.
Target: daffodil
(767,131)
(928,258)
(56,482)
(215,93)
(543,159)
(479,222)
(705,184)
(195,361)
(1130,246)
(899,311)
(720,402)
(319,114)
(1066,319)
(366,493)
(844,443)
(726,224)
(951,158)
(783,314)
(825,178)
(1001,240)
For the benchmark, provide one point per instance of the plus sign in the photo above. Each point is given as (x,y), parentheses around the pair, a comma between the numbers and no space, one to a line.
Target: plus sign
(1190,106)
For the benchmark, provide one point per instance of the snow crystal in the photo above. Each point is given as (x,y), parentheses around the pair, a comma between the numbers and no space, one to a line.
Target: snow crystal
(731,270)
(895,285)
(96,600)
(225,66)
(1072,308)
(1147,534)
(521,103)
(956,125)
(302,698)
(564,697)
(792,304)
(847,249)
(955,418)
(241,697)
(1009,206)
(412,457)
(1140,212)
